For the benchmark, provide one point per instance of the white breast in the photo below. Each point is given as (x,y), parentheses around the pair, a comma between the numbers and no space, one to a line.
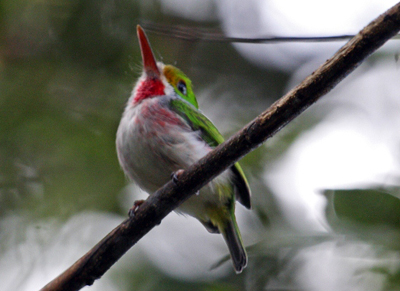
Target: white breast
(150,150)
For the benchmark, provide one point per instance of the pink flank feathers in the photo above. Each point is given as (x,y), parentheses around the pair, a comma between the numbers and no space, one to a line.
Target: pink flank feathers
(153,120)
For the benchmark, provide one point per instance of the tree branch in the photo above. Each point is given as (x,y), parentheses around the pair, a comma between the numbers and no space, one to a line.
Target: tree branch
(194,34)
(99,259)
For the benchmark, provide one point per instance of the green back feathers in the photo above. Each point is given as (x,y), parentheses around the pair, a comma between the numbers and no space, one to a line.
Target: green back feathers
(181,84)
(198,121)
(210,134)
(188,109)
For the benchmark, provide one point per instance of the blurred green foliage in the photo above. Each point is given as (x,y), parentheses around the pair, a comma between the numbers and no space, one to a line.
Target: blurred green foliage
(66,71)
(372,207)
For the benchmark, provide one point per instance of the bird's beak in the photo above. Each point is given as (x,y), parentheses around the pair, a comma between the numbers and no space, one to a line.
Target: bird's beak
(149,62)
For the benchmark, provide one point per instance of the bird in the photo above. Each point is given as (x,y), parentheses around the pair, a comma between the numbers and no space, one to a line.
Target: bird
(162,131)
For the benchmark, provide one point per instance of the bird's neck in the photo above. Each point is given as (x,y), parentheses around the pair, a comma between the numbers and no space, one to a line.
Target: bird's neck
(148,88)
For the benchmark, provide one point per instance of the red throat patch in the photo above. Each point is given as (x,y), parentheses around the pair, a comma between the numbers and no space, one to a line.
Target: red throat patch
(149,88)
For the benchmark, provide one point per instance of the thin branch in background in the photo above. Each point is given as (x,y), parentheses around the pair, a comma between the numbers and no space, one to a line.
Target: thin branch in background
(193,34)
(108,251)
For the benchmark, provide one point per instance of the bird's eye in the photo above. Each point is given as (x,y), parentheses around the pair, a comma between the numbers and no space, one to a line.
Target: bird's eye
(182,87)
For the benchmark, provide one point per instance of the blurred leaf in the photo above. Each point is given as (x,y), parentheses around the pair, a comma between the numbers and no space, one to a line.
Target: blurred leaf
(366,206)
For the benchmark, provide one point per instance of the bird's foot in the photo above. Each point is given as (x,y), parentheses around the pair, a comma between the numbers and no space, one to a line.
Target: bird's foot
(135,207)
(176,175)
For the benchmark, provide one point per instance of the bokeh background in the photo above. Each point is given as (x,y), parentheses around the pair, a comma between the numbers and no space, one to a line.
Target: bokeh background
(326,208)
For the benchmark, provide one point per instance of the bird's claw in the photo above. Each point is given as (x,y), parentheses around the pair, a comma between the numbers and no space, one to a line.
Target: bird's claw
(176,175)
(135,207)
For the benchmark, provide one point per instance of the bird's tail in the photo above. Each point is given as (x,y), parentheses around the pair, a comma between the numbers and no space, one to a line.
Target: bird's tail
(231,234)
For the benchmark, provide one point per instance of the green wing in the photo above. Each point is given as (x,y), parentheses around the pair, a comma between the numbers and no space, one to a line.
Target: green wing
(211,135)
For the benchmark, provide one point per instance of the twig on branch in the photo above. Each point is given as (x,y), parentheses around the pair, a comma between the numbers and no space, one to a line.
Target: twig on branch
(99,259)
(193,34)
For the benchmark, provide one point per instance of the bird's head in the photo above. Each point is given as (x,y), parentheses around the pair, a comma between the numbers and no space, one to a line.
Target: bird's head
(159,79)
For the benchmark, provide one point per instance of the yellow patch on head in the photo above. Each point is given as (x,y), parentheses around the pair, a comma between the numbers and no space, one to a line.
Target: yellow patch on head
(171,73)
(181,83)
